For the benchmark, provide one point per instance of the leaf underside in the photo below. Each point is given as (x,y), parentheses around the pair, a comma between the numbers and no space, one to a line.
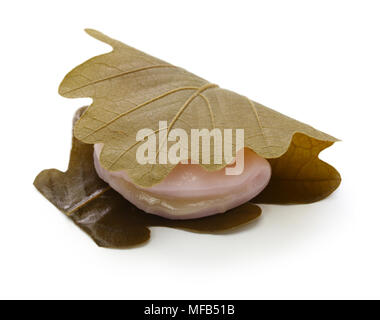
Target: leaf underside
(132,90)
(299,176)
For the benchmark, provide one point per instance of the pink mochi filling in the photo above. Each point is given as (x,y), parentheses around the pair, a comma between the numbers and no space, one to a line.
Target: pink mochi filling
(189,191)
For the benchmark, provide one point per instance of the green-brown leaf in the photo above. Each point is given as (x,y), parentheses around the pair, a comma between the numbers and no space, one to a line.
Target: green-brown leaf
(299,176)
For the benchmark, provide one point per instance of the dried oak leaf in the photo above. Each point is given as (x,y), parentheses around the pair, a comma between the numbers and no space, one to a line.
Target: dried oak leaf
(132,90)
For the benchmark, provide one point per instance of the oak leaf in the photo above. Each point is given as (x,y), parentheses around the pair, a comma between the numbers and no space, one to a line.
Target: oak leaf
(132,90)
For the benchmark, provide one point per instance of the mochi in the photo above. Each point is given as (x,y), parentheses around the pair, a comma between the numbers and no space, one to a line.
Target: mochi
(190,191)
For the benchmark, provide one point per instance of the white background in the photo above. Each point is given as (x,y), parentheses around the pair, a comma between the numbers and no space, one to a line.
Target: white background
(316,61)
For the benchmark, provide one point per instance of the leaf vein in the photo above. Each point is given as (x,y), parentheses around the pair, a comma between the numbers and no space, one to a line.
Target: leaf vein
(255,112)
(138,107)
(118,75)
